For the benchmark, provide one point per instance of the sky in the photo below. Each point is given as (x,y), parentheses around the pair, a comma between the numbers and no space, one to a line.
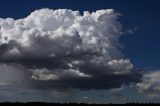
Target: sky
(80,51)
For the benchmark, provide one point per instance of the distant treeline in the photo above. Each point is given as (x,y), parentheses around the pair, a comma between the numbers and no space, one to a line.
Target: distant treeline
(69,104)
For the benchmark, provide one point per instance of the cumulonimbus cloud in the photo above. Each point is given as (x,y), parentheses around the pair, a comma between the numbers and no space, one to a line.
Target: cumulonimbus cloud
(64,49)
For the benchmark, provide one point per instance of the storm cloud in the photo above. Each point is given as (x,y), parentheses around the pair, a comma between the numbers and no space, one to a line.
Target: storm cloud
(63,49)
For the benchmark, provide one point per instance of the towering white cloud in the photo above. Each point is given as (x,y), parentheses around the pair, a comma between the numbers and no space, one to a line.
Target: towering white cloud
(57,46)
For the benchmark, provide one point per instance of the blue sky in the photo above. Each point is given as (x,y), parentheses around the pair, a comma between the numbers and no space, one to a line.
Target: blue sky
(141,45)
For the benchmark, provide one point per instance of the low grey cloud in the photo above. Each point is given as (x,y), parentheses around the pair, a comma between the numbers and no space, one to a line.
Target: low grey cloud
(63,49)
(150,84)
